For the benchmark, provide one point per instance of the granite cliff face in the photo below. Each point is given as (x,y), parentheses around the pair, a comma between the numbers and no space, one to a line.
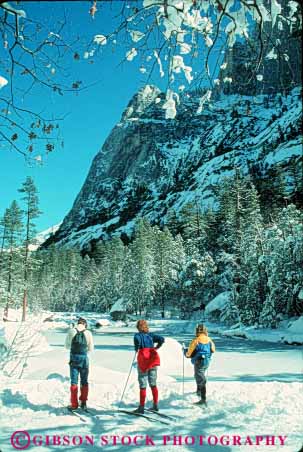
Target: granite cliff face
(150,166)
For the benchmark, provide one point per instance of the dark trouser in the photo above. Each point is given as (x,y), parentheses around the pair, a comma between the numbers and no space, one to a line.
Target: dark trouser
(74,375)
(200,378)
(78,367)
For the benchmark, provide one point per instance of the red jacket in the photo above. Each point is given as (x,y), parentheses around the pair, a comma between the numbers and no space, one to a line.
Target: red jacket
(148,358)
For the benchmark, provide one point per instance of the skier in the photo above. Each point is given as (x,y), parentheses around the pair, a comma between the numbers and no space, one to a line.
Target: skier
(202,309)
(147,362)
(200,351)
(80,341)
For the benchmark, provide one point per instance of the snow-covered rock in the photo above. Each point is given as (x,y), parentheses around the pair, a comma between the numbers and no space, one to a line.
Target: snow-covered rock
(218,303)
(118,306)
(294,334)
(103,322)
(297,326)
(171,356)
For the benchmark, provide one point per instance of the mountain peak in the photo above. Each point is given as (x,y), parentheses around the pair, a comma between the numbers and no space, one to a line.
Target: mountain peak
(141,101)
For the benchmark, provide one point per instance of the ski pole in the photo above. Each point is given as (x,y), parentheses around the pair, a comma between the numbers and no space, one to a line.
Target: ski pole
(183,348)
(130,370)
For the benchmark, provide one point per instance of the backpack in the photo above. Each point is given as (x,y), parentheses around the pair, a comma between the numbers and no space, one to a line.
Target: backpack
(202,352)
(79,344)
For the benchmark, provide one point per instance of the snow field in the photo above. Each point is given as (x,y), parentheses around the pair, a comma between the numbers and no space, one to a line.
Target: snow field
(234,409)
(36,403)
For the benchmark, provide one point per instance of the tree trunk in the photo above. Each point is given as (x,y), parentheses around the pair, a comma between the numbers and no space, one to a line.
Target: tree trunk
(24,305)
(163,304)
(9,286)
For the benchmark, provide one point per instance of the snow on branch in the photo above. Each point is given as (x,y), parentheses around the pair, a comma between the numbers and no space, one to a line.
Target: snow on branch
(180,35)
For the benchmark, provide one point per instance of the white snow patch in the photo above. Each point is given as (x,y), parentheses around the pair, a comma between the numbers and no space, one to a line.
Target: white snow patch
(3,82)
(119,306)
(218,303)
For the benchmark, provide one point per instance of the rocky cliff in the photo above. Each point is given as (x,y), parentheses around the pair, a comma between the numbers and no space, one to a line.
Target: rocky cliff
(149,166)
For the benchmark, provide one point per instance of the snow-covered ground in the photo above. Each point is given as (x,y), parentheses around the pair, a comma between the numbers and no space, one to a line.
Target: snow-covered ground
(254,389)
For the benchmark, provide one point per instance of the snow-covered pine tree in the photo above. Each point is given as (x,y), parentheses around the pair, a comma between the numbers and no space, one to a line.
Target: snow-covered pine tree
(47,282)
(272,189)
(240,213)
(139,274)
(110,260)
(178,262)
(30,198)
(89,276)
(14,228)
(253,276)
(194,226)
(284,264)
(3,256)
(212,225)
(295,171)
(197,281)
(116,260)
(164,252)
(173,222)
(71,269)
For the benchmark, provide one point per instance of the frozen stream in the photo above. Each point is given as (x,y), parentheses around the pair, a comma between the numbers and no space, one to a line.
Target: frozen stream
(236,359)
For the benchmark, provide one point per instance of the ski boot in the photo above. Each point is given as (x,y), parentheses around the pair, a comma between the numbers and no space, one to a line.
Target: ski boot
(201,403)
(202,394)
(155,407)
(139,410)
(83,406)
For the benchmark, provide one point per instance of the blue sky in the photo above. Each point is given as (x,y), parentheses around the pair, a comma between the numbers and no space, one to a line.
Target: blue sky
(89,116)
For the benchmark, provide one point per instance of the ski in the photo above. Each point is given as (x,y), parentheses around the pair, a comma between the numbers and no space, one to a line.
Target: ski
(149,418)
(159,413)
(78,415)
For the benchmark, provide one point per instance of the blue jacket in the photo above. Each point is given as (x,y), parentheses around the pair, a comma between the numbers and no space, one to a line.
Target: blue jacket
(147,340)
(201,347)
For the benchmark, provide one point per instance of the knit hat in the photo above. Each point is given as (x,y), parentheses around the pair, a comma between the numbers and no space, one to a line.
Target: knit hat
(82,321)
(201,329)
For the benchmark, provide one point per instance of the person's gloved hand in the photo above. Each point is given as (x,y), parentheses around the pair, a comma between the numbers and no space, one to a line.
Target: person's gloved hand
(184,349)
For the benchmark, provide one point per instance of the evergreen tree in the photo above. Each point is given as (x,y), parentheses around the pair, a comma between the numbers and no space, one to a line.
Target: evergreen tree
(240,211)
(284,263)
(295,172)
(164,252)
(173,222)
(194,226)
(140,277)
(3,225)
(32,211)
(196,279)
(213,227)
(14,229)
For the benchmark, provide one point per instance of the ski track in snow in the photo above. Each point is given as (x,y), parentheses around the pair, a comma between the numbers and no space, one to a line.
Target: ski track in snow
(37,402)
